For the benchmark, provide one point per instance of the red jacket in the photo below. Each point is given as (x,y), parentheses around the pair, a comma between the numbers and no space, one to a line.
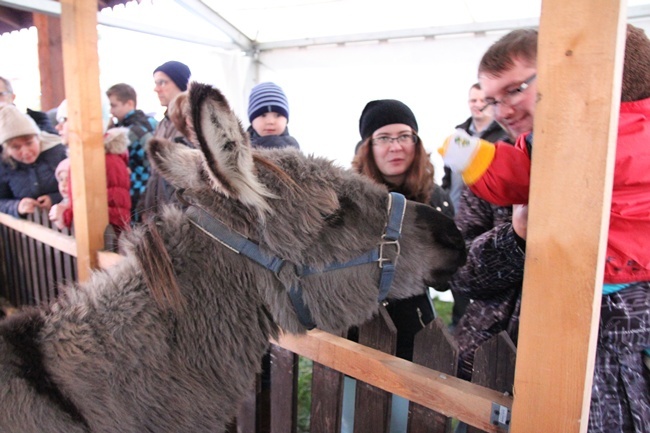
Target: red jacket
(118,181)
(507,181)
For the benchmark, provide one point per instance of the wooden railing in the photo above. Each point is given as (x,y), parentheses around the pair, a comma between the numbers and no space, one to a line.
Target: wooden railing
(37,258)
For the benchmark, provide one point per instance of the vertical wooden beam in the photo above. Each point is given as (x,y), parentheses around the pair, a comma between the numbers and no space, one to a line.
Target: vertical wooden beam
(580,58)
(81,65)
(50,60)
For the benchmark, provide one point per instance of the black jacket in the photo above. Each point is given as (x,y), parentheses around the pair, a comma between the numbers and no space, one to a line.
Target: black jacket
(272,141)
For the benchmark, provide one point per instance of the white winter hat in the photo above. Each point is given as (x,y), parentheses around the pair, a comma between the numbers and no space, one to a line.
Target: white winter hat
(14,123)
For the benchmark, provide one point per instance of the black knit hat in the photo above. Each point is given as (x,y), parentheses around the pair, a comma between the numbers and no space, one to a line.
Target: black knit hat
(177,71)
(385,112)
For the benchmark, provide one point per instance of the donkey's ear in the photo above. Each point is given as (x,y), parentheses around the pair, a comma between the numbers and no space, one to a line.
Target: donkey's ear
(226,148)
(178,164)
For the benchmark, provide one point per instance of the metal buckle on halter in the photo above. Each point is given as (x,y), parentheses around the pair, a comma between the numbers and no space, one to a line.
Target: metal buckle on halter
(383,259)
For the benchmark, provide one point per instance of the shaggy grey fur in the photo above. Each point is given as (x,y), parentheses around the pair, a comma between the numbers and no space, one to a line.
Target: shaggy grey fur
(170,339)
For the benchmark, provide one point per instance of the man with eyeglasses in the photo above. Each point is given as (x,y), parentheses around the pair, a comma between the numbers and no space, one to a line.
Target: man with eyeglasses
(507,74)
(170,79)
(620,399)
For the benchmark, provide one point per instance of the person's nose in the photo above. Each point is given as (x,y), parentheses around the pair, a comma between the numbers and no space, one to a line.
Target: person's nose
(502,112)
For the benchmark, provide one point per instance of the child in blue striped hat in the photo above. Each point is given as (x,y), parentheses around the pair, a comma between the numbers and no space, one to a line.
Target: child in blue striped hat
(268,112)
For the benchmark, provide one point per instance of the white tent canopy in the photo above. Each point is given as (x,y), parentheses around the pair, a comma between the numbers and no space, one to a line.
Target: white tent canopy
(331,57)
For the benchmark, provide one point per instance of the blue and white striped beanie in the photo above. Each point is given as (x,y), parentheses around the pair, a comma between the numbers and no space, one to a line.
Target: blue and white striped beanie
(266,98)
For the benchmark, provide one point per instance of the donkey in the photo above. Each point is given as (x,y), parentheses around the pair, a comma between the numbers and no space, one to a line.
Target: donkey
(260,242)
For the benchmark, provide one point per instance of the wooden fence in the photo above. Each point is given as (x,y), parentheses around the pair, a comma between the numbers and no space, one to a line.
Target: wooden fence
(36,259)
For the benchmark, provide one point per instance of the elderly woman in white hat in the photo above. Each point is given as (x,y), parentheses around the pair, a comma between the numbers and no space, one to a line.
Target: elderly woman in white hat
(29,159)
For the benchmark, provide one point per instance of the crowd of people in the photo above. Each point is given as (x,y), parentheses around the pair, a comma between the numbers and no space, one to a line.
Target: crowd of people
(485,190)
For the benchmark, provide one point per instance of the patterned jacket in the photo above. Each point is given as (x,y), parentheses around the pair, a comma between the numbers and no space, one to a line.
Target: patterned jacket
(141,128)
(493,278)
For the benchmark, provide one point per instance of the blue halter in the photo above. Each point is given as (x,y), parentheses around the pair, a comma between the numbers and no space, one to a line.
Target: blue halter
(242,245)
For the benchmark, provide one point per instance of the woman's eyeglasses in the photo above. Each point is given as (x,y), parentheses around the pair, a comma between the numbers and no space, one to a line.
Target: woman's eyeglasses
(404,139)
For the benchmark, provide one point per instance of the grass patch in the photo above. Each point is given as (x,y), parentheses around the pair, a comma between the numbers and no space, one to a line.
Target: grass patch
(443,309)
(305,369)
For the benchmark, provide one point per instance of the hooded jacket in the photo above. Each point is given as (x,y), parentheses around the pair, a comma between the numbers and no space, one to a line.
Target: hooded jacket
(507,181)
(117,181)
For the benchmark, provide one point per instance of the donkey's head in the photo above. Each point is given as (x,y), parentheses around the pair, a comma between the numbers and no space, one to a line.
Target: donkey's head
(321,229)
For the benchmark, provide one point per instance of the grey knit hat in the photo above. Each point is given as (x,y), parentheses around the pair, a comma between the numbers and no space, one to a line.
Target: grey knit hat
(382,112)
(265,98)
(14,123)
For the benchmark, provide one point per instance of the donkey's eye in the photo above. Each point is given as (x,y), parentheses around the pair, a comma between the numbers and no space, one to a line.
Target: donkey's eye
(334,219)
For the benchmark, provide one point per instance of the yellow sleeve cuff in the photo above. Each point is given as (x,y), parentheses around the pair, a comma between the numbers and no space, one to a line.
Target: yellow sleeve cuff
(480,163)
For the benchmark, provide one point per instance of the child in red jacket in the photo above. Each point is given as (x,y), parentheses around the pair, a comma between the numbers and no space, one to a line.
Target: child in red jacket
(117,178)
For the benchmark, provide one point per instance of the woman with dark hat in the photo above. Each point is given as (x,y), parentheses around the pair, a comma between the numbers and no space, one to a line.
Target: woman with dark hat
(391,153)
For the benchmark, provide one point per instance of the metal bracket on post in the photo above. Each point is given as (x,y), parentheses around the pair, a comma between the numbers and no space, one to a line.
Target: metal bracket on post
(500,416)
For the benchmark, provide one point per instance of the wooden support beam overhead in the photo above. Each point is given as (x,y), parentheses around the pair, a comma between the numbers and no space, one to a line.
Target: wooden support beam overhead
(580,56)
(81,66)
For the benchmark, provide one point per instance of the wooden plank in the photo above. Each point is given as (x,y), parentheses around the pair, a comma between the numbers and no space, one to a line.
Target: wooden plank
(327,393)
(434,348)
(494,363)
(372,406)
(49,237)
(438,391)
(326,399)
(14,271)
(32,250)
(41,218)
(50,60)
(284,390)
(494,366)
(25,269)
(81,66)
(579,78)
(247,420)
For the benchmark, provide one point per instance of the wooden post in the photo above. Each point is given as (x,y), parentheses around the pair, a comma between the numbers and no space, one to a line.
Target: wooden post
(581,45)
(81,67)
(50,60)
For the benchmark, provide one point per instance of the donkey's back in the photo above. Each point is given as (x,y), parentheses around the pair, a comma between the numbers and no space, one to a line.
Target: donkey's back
(170,339)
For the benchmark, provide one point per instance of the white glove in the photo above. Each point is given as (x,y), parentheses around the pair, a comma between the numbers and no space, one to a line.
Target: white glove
(459,150)
(467,155)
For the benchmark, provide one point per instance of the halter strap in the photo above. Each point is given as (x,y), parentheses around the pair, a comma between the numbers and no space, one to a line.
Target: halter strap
(240,244)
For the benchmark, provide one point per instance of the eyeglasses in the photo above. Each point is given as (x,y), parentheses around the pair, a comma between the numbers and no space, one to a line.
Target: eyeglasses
(403,139)
(511,97)
(5,93)
(161,83)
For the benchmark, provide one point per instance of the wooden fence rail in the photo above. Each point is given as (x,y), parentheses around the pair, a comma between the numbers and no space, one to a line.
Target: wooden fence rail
(35,259)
